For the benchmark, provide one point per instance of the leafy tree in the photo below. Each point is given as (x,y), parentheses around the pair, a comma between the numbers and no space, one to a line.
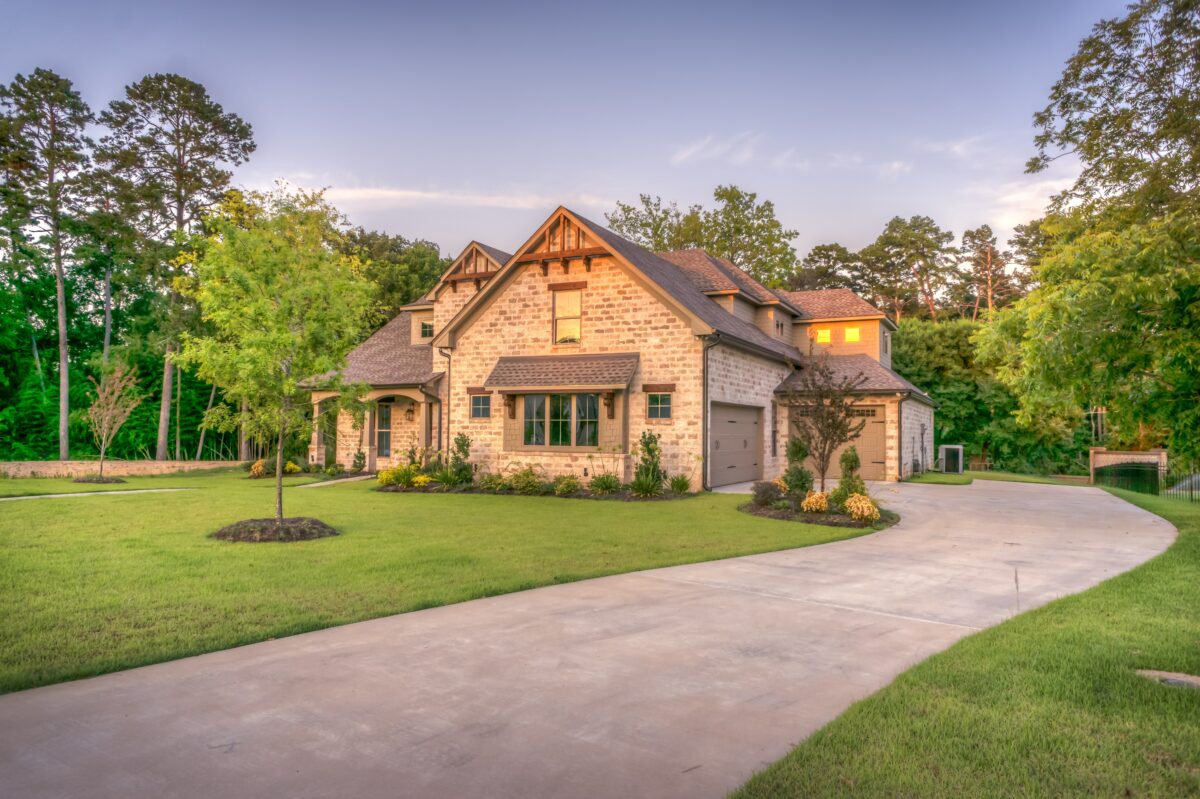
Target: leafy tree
(46,123)
(1126,106)
(827,266)
(284,305)
(910,258)
(400,270)
(116,397)
(819,404)
(740,229)
(985,278)
(170,145)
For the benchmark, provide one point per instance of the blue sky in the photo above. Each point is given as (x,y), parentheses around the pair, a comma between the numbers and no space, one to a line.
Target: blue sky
(453,121)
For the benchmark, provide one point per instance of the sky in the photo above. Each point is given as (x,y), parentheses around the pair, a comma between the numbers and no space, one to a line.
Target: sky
(453,121)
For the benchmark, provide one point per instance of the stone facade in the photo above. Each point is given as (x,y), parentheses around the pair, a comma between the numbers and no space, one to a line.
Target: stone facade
(742,378)
(917,446)
(112,468)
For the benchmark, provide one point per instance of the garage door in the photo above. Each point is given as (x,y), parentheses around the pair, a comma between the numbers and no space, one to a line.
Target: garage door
(871,444)
(735,444)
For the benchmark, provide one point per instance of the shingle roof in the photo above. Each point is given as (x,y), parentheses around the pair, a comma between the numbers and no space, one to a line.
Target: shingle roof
(876,376)
(676,282)
(830,303)
(608,369)
(710,273)
(389,358)
(496,254)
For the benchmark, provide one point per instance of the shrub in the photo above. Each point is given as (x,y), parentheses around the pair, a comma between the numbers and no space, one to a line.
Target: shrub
(605,483)
(448,477)
(291,468)
(334,469)
(861,508)
(680,484)
(403,476)
(798,481)
(782,504)
(421,481)
(566,485)
(460,459)
(527,481)
(796,452)
(850,482)
(646,484)
(259,468)
(360,462)
(493,482)
(815,502)
(649,458)
(767,492)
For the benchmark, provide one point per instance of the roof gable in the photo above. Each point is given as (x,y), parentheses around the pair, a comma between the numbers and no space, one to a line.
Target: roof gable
(831,304)
(477,262)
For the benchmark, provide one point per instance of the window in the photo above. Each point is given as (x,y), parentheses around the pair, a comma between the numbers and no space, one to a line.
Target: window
(567,312)
(383,430)
(481,406)
(658,406)
(779,329)
(886,338)
(535,420)
(427,330)
(824,336)
(851,335)
(587,420)
(562,420)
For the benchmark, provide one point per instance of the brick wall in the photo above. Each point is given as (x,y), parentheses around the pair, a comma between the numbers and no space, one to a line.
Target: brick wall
(112,468)
(915,414)
(742,378)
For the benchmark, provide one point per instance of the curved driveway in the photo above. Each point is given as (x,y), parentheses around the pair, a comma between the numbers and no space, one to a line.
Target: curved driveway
(672,682)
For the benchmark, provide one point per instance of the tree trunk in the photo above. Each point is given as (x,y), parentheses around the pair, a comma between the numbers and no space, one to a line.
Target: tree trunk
(107,316)
(211,396)
(178,397)
(243,439)
(64,375)
(102,448)
(164,408)
(279,475)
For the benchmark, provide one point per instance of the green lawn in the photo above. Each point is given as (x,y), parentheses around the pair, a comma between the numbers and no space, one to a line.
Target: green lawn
(1046,704)
(967,477)
(96,584)
(37,486)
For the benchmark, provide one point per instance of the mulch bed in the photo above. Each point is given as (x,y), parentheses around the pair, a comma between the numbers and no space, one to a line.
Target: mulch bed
(254,531)
(95,479)
(616,496)
(886,517)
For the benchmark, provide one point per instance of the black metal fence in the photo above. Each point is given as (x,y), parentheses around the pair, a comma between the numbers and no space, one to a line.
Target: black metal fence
(1149,478)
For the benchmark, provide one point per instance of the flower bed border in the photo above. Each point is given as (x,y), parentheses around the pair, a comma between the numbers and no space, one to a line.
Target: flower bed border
(886,517)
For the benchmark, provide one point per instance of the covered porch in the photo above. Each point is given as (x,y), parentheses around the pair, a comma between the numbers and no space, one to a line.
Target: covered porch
(397,419)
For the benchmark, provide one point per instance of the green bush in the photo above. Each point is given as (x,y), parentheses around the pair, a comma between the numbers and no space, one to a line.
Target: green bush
(334,470)
(528,481)
(566,485)
(360,462)
(799,482)
(767,492)
(796,452)
(450,477)
(402,476)
(850,482)
(493,482)
(605,483)
(649,458)
(680,484)
(460,459)
(646,484)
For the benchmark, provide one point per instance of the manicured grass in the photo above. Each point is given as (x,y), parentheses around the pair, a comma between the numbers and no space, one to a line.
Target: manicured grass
(38,486)
(1046,704)
(966,478)
(95,584)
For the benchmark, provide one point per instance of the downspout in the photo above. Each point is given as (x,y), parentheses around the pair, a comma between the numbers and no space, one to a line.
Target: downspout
(445,352)
(899,438)
(710,341)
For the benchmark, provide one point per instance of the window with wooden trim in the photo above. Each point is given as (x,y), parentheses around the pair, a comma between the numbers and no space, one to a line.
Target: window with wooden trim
(658,406)
(535,420)
(481,406)
(383,430)
(568,313)
(562,420)
(427,330)
(587,420)
(851,335)
(824,335)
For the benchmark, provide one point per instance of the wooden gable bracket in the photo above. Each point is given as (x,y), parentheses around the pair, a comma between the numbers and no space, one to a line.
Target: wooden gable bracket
(545,268)
(510,405)
(610,404)
(587,263)
(478,283)
(566,265)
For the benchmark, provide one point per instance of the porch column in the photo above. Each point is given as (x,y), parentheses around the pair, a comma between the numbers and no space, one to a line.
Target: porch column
(367,438)
(316,447)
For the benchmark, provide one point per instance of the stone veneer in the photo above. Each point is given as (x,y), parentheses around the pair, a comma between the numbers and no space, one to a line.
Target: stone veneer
(742,378)
(914,414)
(112,468)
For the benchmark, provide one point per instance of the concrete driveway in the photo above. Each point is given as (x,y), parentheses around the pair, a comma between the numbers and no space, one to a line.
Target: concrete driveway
(675,682)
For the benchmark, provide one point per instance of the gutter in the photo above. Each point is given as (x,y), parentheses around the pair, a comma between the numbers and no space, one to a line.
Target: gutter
(446,352)
(710,341)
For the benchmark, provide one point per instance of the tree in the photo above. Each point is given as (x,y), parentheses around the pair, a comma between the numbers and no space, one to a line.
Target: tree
(827,266)
(285,305)
(47,118)
(170,144)
(116,396)
(1126,106)
(820,404)
(400,270)
(740,229)
(910,257)
(985,274)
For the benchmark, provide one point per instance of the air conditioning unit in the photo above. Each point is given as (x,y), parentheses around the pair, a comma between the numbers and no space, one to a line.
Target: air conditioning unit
(951,458)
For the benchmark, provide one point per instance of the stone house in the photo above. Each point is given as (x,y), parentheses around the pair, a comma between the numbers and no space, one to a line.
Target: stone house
(561,354)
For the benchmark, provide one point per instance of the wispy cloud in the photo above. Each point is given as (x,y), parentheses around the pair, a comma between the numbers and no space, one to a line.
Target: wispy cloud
(893,169)
(962,149)
(1016,202)
(788,159)
(740,148)
(382,197)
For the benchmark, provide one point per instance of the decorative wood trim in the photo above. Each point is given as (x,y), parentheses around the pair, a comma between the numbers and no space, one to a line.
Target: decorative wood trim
(510,405)
(658,388)
(610,404)
(478,390)
(575,286)
(560,255)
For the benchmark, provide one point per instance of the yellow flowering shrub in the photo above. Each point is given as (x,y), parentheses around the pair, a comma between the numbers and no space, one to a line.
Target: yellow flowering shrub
(861,508)
(422,480)
(815,502)
(290,468)
(259,469)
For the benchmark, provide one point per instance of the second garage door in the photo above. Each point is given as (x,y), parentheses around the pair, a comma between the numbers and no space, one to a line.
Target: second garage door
(735,444)
(871,445)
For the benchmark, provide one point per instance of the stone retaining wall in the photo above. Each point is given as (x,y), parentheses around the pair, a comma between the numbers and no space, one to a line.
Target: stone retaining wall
(111,467)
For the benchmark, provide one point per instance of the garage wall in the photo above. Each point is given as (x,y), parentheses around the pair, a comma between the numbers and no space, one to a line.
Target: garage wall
(737,377)
(915,414)
(890,406)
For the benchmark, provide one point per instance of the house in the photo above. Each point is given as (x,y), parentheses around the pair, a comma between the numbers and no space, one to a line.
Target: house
(562,354)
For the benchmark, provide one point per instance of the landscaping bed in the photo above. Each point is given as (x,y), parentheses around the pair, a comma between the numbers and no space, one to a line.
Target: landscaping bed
(255,531)
(97,480)
(886,517)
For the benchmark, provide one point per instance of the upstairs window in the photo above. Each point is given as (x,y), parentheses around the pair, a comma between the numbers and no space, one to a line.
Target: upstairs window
(427,330)
(779,329)
(824,335)
(851,335)
(887,337)
(567,313)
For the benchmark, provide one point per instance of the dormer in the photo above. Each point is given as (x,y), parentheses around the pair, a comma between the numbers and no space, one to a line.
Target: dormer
(467,274)
(840,322)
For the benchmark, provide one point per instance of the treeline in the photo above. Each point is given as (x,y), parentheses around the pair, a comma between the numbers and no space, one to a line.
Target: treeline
(99,216)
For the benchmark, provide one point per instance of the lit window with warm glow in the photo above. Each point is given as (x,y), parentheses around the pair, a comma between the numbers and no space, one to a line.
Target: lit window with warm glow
(824,336)
(851,335)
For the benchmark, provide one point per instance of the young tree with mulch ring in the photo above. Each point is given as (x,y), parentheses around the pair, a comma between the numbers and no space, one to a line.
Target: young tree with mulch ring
(116,396)
(820,406)
(283,304)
